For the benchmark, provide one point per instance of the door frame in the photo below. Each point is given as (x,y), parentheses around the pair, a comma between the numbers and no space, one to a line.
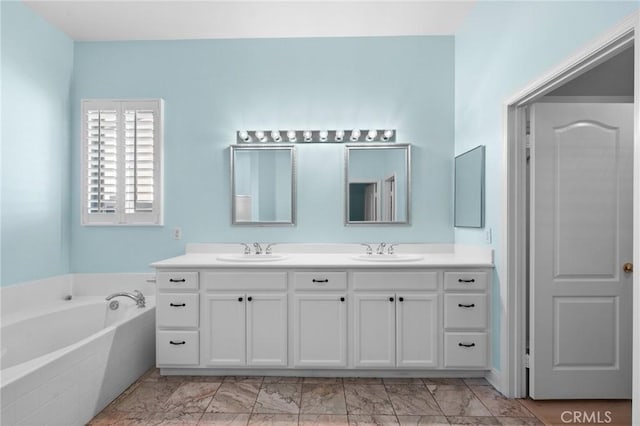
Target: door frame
(512,380)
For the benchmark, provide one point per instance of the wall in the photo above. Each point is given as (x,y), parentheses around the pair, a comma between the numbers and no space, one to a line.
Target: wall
(37,64)
(212,88)
(500,49)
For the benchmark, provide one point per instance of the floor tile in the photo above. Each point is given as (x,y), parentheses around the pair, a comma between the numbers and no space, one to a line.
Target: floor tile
(234,398)
(274,419)
(458,401)
(281,379)
(224,419)
(401,380)
(120,418)
(519,421)
(319,398)
(323,420)
(367,399)
(326,380)
(153,375)
(191,397)
(472,421)
(476,381)
(362,381)
(412,399)
(423,420)
(443,381)
(279,398)
(243,379)
(499,405)
(147,397)
(366,420)
(173,419)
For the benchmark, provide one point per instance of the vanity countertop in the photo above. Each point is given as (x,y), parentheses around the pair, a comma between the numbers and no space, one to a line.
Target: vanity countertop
(408,256)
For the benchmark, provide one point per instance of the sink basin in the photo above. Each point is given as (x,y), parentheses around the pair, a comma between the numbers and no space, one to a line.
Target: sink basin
(251,257)
(388,257)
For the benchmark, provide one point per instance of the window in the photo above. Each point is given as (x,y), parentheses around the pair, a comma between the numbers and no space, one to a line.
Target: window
(122,162)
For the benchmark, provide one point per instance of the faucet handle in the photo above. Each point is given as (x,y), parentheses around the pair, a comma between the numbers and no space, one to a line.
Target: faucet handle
(390,248)
(368,246)
(267,250)
(247,249)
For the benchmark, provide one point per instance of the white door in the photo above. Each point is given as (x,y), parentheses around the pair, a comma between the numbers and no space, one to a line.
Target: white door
(374,330)
(371,202)
(581,230)
(267,329)
(320,330)
(225,329)
(417,330)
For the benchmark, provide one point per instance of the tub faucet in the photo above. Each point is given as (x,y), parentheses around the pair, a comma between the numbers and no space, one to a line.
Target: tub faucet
(137,296)
(380,249)
(258,248)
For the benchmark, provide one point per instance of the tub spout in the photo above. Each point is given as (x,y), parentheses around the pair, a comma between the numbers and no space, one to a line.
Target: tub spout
(137,296)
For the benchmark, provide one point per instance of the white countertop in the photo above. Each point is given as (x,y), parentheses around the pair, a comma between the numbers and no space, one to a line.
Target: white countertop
(332,256)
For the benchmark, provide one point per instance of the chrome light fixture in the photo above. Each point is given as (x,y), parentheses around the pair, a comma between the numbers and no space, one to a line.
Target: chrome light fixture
(316,136)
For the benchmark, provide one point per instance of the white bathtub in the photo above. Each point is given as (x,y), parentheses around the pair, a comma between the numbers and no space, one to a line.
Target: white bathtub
(62,364)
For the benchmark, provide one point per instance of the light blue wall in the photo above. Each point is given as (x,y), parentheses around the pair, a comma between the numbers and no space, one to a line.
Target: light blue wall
(501,48)
(37,64)
(212,88)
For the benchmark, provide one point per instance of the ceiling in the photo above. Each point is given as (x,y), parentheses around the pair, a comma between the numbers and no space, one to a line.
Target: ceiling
(90,20)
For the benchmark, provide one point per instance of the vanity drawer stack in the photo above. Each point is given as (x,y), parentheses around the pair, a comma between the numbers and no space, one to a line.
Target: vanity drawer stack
(466,319)
(177,319)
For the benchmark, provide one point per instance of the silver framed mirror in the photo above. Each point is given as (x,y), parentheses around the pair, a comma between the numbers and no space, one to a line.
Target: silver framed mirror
(469,189)
(263,185)
(377,184)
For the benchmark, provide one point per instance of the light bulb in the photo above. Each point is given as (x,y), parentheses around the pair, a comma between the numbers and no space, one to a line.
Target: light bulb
(260,136)
(291,134)
(275,135)
(244,135)
(339,135)
(387,135)
(307,135)
(355,135)
(371,135)
(323,135)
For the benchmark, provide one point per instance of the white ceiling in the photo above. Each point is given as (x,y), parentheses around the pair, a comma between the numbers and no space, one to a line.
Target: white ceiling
(91,20)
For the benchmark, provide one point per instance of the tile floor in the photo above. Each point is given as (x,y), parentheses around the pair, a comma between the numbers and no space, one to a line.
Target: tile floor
(211,400)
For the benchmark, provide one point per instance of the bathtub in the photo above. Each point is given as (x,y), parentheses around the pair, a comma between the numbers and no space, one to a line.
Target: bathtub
(62,364)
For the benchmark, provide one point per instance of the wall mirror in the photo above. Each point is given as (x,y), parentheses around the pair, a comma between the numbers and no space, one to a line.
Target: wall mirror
(263,185)
(469,189)
(377,184)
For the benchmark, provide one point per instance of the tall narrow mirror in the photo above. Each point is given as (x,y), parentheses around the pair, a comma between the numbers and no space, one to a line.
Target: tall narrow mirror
(377,184)
(469,189)
(263,185)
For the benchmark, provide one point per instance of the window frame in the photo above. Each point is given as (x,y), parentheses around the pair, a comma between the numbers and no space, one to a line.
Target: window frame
(121,218)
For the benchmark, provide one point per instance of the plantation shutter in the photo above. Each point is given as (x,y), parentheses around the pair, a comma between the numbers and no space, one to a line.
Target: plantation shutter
(122,162)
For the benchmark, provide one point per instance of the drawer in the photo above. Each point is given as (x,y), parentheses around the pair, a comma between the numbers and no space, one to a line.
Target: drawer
(465,311)
(472,280)
(267,280)
(177,310)
(465,350)
(187,280)
(177,348)
(396,280)
(320,280)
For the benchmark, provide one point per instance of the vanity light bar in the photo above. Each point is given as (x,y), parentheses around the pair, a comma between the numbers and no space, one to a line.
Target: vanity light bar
(315,136)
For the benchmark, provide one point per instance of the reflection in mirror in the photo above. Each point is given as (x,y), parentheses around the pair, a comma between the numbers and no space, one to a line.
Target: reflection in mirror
(263,185)
(469,189)
(377,184)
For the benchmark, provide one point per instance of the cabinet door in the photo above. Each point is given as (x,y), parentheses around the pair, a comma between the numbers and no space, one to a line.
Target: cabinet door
(225,329)
(417,330)
(267,329)
(320,330)
(374,330)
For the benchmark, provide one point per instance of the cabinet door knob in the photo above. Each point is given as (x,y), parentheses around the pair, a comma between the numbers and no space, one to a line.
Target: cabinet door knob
(249,299)
(182,342)
(239,299)
(177,305)
(401,299)
(466,305)
(342,299)
(391,299)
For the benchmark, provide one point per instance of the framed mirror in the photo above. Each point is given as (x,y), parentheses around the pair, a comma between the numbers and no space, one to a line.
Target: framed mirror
(469,189)
(377,184)
(263,185)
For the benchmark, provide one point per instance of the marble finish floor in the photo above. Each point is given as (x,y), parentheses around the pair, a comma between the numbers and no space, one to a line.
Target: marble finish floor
(215,400)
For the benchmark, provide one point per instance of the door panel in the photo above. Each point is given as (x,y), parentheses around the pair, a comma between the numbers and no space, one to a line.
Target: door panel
(581,230)
(225,330)
(417,330)
(267,329)
(374,330)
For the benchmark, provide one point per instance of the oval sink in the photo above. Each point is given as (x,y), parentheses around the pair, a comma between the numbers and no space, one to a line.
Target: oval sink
(251,257)
(388,257)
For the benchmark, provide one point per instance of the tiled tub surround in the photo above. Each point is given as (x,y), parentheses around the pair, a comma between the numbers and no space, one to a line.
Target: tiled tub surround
(65,360)
(219,400)
(321,311)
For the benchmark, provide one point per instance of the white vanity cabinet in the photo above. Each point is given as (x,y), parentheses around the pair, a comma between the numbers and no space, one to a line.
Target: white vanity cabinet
(246,326)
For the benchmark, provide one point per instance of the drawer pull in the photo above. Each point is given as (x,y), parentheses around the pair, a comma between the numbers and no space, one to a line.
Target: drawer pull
(177,305)
(322,281)
(466,345)
(472,280)
(173,280)
(182,342)
(463,305)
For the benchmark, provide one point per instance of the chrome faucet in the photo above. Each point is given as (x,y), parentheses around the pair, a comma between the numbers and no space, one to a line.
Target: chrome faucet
(258,248)
(247,249)
(369,249)
(380,249)
(137,296)
(268,249)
